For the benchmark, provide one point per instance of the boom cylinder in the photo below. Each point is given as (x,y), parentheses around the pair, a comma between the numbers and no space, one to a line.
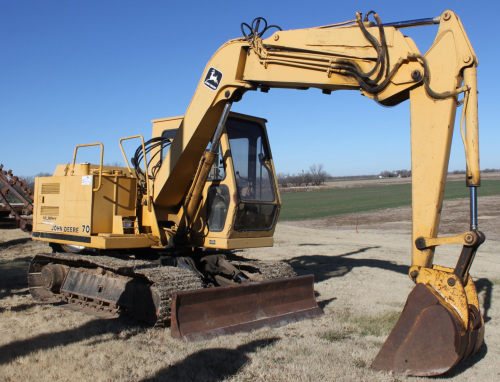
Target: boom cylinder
(193,202)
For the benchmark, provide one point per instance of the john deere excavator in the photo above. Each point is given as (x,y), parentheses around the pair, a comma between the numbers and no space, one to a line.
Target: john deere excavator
(154,239)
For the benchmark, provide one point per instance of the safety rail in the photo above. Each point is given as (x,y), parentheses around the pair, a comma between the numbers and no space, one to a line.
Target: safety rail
(100,165)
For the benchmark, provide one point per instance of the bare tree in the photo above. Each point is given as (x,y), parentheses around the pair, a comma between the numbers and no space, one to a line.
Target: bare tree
(283,179)
(318,175)
(114,164)
(30,179)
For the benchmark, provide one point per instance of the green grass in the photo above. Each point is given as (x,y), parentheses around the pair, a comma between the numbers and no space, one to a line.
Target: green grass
(362,326)
(337,335)
(376,325)
(323,203)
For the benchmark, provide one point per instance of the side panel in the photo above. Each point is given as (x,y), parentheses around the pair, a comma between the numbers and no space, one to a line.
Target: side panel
(68,211)
(63,205)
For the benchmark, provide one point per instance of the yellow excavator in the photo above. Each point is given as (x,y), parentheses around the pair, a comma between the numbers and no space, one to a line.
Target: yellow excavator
(154,239)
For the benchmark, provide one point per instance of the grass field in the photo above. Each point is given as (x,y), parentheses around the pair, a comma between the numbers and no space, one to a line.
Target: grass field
(323,203)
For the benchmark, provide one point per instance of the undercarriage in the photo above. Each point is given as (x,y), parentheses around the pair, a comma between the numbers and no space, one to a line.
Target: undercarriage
(108,286)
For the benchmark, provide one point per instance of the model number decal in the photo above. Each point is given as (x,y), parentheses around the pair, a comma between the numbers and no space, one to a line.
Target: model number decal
(59,228)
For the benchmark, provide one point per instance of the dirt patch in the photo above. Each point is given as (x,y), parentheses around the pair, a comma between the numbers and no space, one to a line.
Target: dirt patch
(361,283)
(454,219)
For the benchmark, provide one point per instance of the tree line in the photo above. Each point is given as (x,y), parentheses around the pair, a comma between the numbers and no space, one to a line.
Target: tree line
(315,176)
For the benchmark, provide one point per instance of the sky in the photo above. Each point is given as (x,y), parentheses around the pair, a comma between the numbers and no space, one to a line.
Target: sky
(75,72)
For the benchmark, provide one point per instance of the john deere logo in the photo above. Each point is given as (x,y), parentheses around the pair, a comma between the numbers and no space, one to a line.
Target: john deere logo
(213,78)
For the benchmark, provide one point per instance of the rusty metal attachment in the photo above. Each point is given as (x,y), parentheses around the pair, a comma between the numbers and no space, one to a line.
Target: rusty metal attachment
(11,184)
(441,324)
(208,313)
(430,337)
(425,341)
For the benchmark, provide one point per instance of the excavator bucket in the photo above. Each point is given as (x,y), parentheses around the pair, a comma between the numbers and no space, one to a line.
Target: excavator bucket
(439,327)
(207,313)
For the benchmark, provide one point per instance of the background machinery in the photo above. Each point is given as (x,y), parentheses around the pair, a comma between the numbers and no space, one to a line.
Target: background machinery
(152,240)
(18,213)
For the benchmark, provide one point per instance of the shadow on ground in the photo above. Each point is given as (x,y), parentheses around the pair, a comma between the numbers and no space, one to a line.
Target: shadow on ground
(325,267)
(46,341)
(14,276)
(218,363)
(11,243)
(467,364)
(486,286)
(18,308)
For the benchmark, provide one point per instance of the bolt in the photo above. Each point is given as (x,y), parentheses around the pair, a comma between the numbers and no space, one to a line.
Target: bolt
(451,281)
(227,93)
(276,37)
(413,274)
(467,58)
(469,238)
(416,75)
(447,16)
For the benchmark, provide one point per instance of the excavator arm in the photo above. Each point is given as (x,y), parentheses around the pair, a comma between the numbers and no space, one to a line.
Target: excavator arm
(442,313)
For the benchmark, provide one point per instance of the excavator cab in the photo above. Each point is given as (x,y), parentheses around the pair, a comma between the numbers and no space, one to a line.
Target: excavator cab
(241,201)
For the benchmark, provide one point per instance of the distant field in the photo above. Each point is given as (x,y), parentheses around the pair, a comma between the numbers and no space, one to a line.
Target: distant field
(323,203)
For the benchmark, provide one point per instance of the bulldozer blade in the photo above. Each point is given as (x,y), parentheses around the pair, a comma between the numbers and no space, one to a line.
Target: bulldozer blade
(208,313)
(428,339)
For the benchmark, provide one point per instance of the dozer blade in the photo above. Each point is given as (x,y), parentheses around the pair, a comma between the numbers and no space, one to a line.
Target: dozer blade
(439,327)
(204,314)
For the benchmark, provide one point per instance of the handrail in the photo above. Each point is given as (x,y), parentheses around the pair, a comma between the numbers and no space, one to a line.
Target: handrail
(100,166)
(145,165)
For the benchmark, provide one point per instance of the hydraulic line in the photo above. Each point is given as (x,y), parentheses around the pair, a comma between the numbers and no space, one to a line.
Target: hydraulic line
(349,67)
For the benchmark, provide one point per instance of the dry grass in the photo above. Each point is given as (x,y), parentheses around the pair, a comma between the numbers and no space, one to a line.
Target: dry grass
(361,284)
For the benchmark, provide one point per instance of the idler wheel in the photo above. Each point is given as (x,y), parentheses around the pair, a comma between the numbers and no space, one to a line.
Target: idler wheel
(53,277)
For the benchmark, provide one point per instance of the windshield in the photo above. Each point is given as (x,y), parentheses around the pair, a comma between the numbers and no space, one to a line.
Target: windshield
(251,157)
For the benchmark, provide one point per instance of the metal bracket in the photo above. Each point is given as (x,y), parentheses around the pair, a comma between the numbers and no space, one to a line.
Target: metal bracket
(469,238)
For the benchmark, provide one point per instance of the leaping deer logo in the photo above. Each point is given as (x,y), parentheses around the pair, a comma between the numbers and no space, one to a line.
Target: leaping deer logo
(213,77)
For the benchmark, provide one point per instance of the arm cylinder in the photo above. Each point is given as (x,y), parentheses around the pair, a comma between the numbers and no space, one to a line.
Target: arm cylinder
(471,128)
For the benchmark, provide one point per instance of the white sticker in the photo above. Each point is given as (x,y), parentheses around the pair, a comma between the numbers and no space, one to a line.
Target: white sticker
(212,241)
(87,180)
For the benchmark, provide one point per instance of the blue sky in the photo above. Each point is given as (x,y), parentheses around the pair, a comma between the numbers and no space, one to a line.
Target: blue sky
(75,72)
